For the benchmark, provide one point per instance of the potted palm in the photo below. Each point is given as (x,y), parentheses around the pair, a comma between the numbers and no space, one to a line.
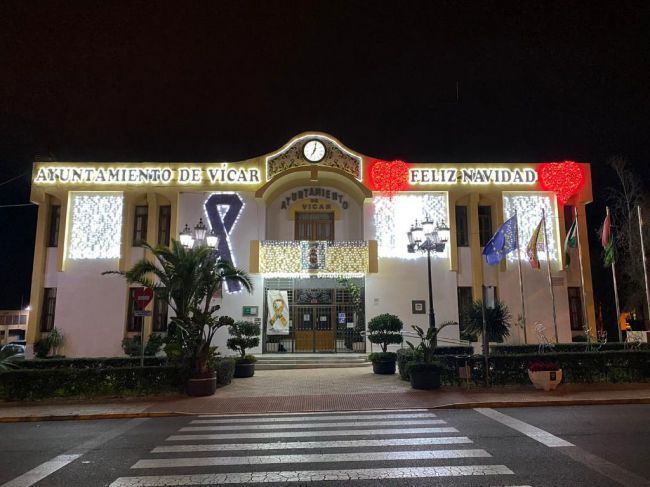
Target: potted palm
(244,335)
(186,279)
(425,373)
(384,330)
(545,375)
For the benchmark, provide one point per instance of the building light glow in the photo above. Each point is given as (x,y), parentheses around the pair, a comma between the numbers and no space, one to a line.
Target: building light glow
(95,225)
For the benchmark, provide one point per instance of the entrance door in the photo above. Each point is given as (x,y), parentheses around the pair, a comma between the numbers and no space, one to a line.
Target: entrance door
(315,330)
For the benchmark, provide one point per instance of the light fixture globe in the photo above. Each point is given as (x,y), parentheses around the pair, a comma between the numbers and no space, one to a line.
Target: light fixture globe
(212,240)
(443,232)
(427,226)
(418,233)
(200,231)
(185,237)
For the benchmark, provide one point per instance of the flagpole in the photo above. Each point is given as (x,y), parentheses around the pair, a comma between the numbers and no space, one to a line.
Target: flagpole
(645,265)
(618,308)
(550,280)
(582,275)
(521,282)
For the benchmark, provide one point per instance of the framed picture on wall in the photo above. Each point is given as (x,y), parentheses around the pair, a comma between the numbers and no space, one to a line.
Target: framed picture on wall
(418,307)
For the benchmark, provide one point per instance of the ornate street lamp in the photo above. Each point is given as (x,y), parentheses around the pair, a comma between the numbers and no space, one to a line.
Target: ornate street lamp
(186,238)
(428,238)
(199,237)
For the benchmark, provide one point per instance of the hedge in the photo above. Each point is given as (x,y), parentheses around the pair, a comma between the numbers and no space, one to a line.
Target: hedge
(29,384)
(561,347)
(406,355)
(89,363)
(585,367)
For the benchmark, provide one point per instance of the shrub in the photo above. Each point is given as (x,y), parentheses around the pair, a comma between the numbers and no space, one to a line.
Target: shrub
(406,356)
(385,329)
(558,347)
(69,382)
(89,363)
(245,335)
(225,370)
(132,346)
(497,321)
(422,367)
(42,348)
(246,359)
(382,357)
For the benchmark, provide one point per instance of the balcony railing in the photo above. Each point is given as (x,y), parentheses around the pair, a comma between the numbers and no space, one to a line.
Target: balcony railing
(313,258)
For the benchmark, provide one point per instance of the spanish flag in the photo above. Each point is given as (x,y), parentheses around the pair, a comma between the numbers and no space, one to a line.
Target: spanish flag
(536,240)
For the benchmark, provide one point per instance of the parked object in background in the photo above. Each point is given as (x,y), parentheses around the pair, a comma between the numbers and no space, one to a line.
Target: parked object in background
(545,375)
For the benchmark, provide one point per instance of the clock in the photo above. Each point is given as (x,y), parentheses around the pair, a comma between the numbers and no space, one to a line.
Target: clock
(314,150)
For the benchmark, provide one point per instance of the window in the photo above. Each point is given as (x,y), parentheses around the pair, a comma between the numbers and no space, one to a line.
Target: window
(134,323)
(159,315)
(485,224)
(314,226)
(464,304)
(164,222)
(569,216)
(49,304)
(53,233)
(575,308)
(140,224)
(23,320)
(462,234)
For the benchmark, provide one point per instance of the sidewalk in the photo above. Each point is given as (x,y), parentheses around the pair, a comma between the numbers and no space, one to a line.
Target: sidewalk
(310,390)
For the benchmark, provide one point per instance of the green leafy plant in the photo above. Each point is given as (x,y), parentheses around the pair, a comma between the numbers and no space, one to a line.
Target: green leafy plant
(244,335)
(55,339)
(428,341)
(186,280)
(132,345)
(225,368)
(381,356)
(497,320)
(6,362)
(384,330)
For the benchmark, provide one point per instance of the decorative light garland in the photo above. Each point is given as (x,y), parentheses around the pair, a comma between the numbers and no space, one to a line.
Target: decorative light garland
(529,207)
(96,225)
(393,218)
(389,177)
(563,178)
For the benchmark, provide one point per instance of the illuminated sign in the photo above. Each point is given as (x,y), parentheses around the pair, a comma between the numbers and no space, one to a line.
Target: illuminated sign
(222,174)
(317,199)
(477,175)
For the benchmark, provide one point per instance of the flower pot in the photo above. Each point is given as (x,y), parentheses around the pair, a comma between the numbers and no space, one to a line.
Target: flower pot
(546,379)
(202,384)
(384,367)
(244,369)
(424,376)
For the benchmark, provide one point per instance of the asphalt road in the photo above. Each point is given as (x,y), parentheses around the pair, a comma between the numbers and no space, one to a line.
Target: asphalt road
(559,446)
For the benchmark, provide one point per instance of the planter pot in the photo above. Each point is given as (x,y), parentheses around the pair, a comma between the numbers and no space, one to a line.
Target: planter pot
(202,384)
(546,379)
(424,376)
(243,370)
(386,367)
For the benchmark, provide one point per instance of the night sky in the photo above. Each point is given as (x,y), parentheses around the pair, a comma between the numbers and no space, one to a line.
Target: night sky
(211,81)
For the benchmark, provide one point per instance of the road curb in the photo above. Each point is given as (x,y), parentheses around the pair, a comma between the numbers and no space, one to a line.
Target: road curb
(461,405)
(88,417)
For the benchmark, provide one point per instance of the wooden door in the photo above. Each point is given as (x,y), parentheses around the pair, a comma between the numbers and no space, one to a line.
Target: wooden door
(314,226)
(324,329)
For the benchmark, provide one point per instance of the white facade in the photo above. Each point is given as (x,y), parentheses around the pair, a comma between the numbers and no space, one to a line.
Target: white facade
(91,309)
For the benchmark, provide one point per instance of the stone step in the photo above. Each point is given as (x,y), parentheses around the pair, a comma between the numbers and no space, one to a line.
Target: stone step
(311,365)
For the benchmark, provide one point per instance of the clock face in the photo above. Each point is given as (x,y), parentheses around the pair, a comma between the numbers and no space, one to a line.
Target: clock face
(314,150)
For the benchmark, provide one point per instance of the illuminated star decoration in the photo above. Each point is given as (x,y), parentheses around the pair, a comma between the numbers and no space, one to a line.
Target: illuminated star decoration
(563,178)
(389,177)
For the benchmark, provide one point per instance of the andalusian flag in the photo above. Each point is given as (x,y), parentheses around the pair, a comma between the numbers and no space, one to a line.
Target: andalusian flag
(571,241)
(536,242)
(607,241)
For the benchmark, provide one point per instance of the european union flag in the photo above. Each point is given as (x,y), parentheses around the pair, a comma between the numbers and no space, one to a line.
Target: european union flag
(504,241)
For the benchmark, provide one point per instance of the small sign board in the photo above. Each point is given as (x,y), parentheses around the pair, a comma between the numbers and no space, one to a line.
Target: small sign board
(341,318)
(142,296)
(141,312)
(250,310)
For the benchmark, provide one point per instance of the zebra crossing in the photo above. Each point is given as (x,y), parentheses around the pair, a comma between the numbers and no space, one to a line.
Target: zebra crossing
(317,447)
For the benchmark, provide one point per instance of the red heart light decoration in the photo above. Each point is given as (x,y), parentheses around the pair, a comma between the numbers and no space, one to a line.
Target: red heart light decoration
(390,177)
(563,178)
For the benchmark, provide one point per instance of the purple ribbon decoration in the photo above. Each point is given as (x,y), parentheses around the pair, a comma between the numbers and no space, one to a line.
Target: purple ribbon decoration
(222,223)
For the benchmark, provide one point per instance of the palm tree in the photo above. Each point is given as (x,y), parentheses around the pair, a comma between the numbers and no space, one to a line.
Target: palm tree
(186,280)
(497,320)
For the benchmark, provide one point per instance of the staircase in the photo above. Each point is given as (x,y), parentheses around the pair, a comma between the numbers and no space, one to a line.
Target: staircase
(282,361)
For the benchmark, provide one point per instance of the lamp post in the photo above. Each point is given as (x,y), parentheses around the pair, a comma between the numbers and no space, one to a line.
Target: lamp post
(428,237)
(200,236)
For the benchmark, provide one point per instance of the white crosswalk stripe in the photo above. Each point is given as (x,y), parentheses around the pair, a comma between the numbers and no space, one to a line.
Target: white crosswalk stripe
(329,413)
(403,444)
(343,424)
